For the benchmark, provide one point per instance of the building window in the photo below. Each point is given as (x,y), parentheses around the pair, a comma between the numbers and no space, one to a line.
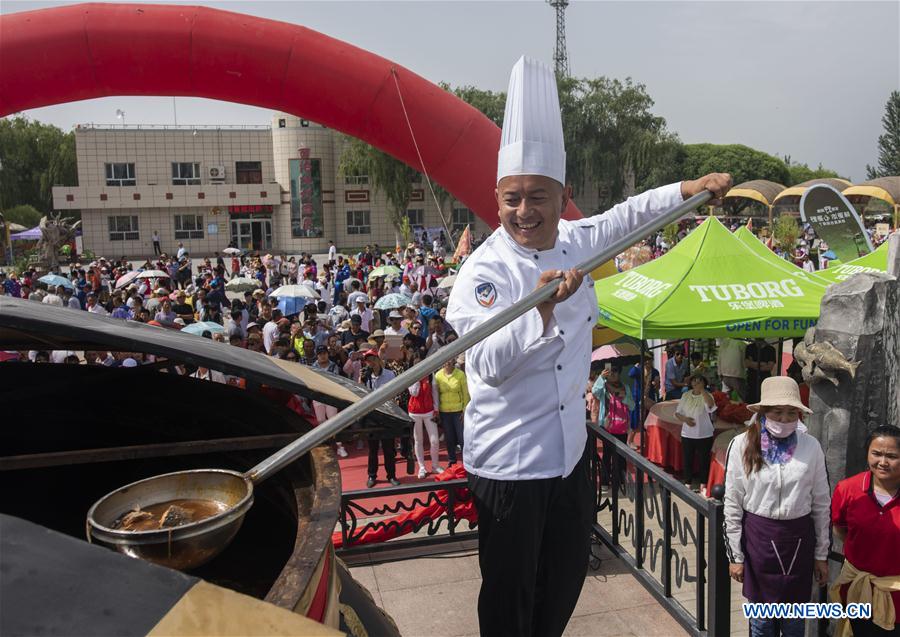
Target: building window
(356,180)
(248,172)
(188,226)
(123,228)
(120,175)
(185,174)
(358,222)
(462,217)
(416,217)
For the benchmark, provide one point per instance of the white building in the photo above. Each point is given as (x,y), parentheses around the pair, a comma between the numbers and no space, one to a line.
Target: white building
(206,186)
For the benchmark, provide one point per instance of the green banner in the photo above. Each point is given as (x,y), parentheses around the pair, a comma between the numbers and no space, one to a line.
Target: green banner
(710,285)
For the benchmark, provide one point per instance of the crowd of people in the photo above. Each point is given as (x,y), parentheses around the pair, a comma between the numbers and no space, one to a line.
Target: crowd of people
(341,332)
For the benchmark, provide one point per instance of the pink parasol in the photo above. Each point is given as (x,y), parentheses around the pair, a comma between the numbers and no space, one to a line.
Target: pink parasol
(615,350)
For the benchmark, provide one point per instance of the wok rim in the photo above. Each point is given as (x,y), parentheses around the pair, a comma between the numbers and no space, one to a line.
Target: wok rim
(192,529)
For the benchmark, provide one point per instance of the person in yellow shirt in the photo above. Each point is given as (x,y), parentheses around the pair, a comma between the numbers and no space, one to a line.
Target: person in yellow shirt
(454,396)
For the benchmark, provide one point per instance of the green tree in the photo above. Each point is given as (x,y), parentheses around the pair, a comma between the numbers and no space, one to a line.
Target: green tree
(612,138)
(386,174)
(35,157)
(744,163)
(491,104)
(801,172)
(786,231)
(24,215)
(889,142)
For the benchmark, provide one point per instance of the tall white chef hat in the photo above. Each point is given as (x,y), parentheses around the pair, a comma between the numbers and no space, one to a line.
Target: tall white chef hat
(532,139)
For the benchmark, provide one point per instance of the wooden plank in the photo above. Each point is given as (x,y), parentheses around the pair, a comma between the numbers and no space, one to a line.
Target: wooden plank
(133,452)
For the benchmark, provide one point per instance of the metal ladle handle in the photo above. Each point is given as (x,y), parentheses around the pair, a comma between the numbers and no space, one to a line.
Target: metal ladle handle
(396,386)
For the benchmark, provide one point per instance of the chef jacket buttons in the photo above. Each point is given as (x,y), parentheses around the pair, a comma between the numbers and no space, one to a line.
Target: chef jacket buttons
(562,407)
(590,318)
(559,367)
(535,257)
(564,252)
(562,332)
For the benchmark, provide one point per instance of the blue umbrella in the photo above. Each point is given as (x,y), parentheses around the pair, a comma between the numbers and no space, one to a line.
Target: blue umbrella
(392,301)
(203,326)
(55,279)
(829,255)
(290,305)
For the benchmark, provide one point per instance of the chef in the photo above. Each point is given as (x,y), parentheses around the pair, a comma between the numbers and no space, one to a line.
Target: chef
(524,428)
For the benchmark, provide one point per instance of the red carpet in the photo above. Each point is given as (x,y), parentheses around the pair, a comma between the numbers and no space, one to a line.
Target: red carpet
(354,475)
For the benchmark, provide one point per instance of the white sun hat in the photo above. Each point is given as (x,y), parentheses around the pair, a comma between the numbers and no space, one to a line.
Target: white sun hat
(779,390)
(532,139)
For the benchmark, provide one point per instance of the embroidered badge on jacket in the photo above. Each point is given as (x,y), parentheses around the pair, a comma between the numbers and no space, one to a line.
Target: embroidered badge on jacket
(485,294)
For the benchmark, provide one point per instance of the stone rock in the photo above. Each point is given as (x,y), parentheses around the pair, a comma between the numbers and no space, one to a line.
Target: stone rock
(861,318)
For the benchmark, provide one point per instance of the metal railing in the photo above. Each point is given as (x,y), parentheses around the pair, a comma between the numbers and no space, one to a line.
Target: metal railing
(357,519)
(679,558)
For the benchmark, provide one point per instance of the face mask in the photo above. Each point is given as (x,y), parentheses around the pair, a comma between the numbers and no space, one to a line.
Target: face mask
(781,429)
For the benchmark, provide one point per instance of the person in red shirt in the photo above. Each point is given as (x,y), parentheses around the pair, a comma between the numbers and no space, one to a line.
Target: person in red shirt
(865,514)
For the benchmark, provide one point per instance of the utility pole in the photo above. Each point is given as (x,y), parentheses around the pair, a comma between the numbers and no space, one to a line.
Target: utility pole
(560,56)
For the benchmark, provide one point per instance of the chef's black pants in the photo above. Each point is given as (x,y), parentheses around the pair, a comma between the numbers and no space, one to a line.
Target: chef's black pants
(533,549)
(387,449)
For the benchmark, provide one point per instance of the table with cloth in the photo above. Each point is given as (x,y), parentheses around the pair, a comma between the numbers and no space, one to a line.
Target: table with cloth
(663,446)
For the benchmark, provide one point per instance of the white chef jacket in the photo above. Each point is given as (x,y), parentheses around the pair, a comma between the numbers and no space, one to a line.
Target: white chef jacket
(525,420)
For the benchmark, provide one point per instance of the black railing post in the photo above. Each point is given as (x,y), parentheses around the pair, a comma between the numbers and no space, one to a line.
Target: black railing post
(451,510)
(667,541)
(345,536)
(638,514)
(719,581)
(612,477)
(701,570)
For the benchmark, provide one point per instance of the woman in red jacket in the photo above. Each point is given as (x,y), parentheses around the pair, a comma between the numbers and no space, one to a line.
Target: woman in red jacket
(424,404)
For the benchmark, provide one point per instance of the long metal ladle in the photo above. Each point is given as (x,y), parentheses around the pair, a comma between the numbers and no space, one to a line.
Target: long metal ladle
(192,544)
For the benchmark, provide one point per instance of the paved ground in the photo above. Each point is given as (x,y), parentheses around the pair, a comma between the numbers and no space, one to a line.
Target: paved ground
(437,596)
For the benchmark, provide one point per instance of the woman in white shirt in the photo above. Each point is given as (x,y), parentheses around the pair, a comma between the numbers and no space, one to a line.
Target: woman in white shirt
(695,409)
(777,507)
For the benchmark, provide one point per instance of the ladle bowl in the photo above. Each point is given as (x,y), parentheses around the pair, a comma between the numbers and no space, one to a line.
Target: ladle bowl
(180,547)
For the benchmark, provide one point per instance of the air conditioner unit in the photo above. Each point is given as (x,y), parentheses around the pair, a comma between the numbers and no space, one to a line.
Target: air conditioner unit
(215,173)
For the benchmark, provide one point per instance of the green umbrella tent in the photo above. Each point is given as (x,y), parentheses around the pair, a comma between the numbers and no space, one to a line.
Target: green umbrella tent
(875,261)
(710,285)
(752,241)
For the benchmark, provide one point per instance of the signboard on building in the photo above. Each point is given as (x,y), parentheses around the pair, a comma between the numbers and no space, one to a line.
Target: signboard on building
(306,196)
(250,211)
(835,221)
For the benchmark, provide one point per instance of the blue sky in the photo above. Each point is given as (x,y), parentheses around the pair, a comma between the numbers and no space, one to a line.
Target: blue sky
(808,79)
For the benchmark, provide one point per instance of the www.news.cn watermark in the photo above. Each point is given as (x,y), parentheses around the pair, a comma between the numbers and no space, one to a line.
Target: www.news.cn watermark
(806,611)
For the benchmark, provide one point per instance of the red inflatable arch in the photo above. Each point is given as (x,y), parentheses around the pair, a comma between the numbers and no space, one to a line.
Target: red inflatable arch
(79,52)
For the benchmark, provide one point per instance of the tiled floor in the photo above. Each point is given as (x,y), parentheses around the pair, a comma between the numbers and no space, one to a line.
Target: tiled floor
(437,596)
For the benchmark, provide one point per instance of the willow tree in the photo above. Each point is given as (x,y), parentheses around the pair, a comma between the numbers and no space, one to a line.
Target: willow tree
(613,140)
(389,176)
(386,175)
